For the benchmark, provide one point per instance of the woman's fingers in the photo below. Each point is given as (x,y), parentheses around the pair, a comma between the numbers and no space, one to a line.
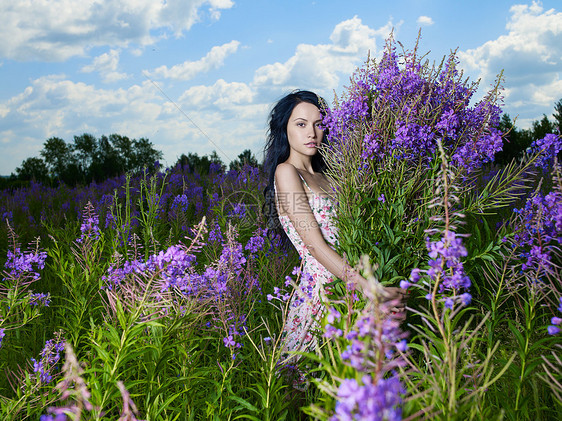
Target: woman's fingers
(395,293)
(397,297)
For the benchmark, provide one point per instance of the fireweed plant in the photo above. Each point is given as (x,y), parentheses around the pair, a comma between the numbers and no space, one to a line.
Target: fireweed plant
(408,149)
(168,295)
(159,288)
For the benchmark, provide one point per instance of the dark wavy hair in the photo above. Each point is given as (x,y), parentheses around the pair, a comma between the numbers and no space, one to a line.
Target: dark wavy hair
(277,151)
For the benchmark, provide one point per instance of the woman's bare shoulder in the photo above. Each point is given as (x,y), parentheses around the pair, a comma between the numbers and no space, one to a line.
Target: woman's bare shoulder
(285,169)
(287,177)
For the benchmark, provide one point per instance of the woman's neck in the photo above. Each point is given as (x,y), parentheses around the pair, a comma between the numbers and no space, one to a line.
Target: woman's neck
(301,163)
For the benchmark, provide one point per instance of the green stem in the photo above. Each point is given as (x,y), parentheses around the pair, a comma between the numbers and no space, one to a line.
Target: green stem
(529,322)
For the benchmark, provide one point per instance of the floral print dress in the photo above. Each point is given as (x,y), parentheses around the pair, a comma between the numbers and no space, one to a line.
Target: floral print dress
(305,308)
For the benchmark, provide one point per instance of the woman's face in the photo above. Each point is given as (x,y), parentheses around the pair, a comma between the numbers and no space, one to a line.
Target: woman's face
(303,129)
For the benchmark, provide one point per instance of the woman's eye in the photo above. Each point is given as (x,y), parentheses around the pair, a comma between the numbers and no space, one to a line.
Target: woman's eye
(300,124)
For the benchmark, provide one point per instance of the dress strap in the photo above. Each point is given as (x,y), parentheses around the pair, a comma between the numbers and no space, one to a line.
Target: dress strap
(305,183)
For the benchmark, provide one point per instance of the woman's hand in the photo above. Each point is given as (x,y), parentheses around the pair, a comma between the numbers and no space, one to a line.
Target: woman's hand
(397,297)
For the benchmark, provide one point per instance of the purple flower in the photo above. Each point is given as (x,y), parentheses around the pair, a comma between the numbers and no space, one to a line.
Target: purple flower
(402,345)
(397,110)
(333,315)
(415,275)
(330,332)
(466,298)
(405,284)
(538,231)
(256,242)
(548,148)
(180,203)
(39,299)
(229,341)
(553,330)
(25,264)
(381,401)
(90,223)
(50,356)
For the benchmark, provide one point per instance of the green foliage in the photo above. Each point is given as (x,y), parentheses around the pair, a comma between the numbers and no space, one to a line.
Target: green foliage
(164,355)
(246,158)
(200,164)
(88,159)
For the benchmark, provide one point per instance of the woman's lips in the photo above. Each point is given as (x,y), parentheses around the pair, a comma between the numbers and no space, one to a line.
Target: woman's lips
(311,145)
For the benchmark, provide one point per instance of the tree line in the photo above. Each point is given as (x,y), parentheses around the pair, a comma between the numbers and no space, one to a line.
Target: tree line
(517,141)
(88,159)
(202,164)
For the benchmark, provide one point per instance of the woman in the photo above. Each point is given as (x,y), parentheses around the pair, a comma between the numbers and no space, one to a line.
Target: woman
(300,200)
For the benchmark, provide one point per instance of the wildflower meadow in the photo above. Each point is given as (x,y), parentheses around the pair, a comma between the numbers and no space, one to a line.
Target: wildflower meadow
(161,295)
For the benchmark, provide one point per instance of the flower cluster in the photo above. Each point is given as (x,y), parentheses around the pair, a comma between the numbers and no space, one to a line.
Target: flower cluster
(256,242)
(25,265)
(399,109)
(374,347)
(72,388)
(372,339)
(302,287)
(39,299)
(218,285)
(173,268)
(90,224)
(50,356)
(548,148)
(369,401)
(445,270)
(541,230)
(215,234)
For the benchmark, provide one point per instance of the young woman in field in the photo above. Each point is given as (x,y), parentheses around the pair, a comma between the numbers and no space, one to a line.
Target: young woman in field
(300,204)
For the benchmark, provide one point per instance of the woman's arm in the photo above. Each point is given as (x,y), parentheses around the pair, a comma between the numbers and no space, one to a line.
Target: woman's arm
(293,201)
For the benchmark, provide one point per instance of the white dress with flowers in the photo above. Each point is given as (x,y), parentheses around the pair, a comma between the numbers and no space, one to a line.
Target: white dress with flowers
(305,308)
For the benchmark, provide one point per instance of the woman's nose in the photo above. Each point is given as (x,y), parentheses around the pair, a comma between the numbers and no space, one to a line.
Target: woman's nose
(312,132)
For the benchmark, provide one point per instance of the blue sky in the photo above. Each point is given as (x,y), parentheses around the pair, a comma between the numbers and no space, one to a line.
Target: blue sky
(124,66)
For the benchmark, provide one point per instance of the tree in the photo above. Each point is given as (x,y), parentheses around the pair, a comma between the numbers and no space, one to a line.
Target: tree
(195,163)
(515,141)
(144,155)
(217,162)
(542,127)
(58,156)
(245,158)
(124,148)
(106,161)
(33,169)
(85,148)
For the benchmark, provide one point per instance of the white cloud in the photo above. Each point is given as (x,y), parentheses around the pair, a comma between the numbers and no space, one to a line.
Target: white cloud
(231,115)
(320,66)
(106,65)
(54,30)
(530,55)
(4,110)
(56,106)
(425,21)
(189,69)
(222,94)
